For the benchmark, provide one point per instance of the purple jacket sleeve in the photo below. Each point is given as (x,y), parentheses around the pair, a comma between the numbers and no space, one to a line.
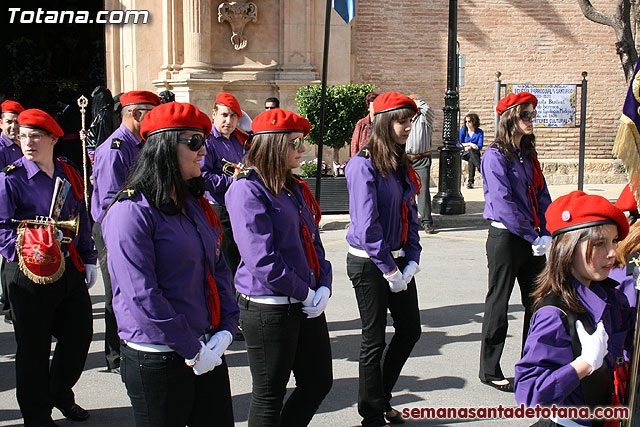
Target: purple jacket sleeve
(494,166)
(363,196)
(544,375)
(215,180)
(84,242)
(544,200)
(8,203)
(254,235)
(136,269)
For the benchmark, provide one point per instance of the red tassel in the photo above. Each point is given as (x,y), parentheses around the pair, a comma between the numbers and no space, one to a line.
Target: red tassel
(414,178)
(74,179)
(310,200)
(213,299)
(538,181)
(310,251)
(405,224)
(212,216)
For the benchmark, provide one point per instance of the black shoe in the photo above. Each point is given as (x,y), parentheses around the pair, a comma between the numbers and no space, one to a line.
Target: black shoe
(115,370)
(429,229)
(507,388)
(394,419)
(74,412)
(470,185)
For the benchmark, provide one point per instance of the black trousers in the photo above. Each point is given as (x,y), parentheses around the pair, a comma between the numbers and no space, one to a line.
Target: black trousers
(509,258)
(164,391)
(5,306)
(61,310)
(111,338)
(280,339)
(228,246)
(474,163)
(423,167)
(374,298)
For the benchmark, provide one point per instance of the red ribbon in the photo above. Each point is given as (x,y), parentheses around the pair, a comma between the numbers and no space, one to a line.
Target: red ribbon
(538,184)
(310,200)
(77,186)
(212,289)
(309,247)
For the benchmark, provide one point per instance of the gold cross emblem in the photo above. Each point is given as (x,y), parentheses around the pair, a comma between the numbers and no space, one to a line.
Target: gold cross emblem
(129,192)
(11,167)
(116,142)
(635,260)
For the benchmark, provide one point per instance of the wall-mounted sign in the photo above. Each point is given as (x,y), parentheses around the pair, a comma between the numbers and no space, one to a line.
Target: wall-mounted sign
(556,103)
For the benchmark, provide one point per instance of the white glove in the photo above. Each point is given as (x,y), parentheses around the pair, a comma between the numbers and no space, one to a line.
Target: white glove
(396,281)
(206,360)
(541,245)
(58,235)
(410,270)
(318,304)
(309,299)
(220,341)
(91,274)
(594,346)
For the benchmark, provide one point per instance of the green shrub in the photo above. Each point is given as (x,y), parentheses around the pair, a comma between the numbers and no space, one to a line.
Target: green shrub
(344,107)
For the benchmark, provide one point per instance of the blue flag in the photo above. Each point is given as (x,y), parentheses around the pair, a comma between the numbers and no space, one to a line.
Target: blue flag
(627,143)
(345,8)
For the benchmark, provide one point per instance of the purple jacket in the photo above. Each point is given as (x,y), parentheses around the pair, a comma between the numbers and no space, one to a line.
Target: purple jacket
(112,163)
(159,277)
(219,151)
(375,207)
(626,284)
(26,192)
(267,230)
(543,375)
(506,193)
(9,152)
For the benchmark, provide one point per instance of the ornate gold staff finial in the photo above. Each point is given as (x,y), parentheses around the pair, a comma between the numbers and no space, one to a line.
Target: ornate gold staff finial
(82,103)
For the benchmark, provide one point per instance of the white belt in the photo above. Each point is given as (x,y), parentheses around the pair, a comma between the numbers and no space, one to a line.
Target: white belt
(150,348)
(270,299)
(159,348)
(363,254)
(498,224)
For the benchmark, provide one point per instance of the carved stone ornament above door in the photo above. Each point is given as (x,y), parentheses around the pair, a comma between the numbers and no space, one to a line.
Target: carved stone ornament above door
(238,14)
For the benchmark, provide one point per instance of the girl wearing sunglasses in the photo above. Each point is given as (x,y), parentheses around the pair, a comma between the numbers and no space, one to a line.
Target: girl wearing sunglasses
(171,287)
(574,354)
(283,280)
(384,252)
(516,198)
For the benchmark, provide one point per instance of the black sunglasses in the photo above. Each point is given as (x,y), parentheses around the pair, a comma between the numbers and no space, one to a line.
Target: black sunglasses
(528,116)
(195,142)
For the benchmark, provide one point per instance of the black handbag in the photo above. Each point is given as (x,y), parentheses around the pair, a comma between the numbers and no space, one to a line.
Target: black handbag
(465,155)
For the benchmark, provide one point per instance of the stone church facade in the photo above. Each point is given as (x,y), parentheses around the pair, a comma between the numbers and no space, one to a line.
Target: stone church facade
(261,48)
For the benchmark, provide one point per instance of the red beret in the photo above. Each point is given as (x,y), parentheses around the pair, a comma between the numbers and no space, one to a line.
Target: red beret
(38,119)
(578,210)
(9,106)
(174,116)
(139,97)
(278,120)
(627,201)
(230,101)
(514,99)
(392,101)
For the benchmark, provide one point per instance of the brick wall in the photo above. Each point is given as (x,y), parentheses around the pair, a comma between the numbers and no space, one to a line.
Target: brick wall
(401,45)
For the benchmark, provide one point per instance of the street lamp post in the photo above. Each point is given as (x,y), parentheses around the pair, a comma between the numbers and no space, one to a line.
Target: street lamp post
(449,200)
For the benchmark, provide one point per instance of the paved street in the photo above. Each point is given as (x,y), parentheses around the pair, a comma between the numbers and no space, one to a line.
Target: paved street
(442,371)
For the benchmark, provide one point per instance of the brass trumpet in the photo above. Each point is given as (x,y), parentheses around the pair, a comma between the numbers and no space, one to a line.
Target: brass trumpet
(72,224)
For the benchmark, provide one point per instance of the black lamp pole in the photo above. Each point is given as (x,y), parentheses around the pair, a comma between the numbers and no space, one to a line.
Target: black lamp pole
(449,200)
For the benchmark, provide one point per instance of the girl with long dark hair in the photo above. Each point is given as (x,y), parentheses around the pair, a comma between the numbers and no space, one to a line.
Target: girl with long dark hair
(171,287)
(384,253)
(283,280)
(516,198)
(574,353)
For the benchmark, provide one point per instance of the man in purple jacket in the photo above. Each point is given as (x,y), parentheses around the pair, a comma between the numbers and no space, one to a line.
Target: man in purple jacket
(114,159)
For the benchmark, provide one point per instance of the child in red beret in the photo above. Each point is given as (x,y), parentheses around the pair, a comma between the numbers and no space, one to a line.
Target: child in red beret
(516,198)
(574,354)
(384,253)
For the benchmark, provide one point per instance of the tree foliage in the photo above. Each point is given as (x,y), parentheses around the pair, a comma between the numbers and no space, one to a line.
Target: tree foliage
(624,21)
(344,107)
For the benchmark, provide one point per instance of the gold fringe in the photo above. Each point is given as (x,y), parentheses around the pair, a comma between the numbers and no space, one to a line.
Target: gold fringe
(627,148)
(41,280)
